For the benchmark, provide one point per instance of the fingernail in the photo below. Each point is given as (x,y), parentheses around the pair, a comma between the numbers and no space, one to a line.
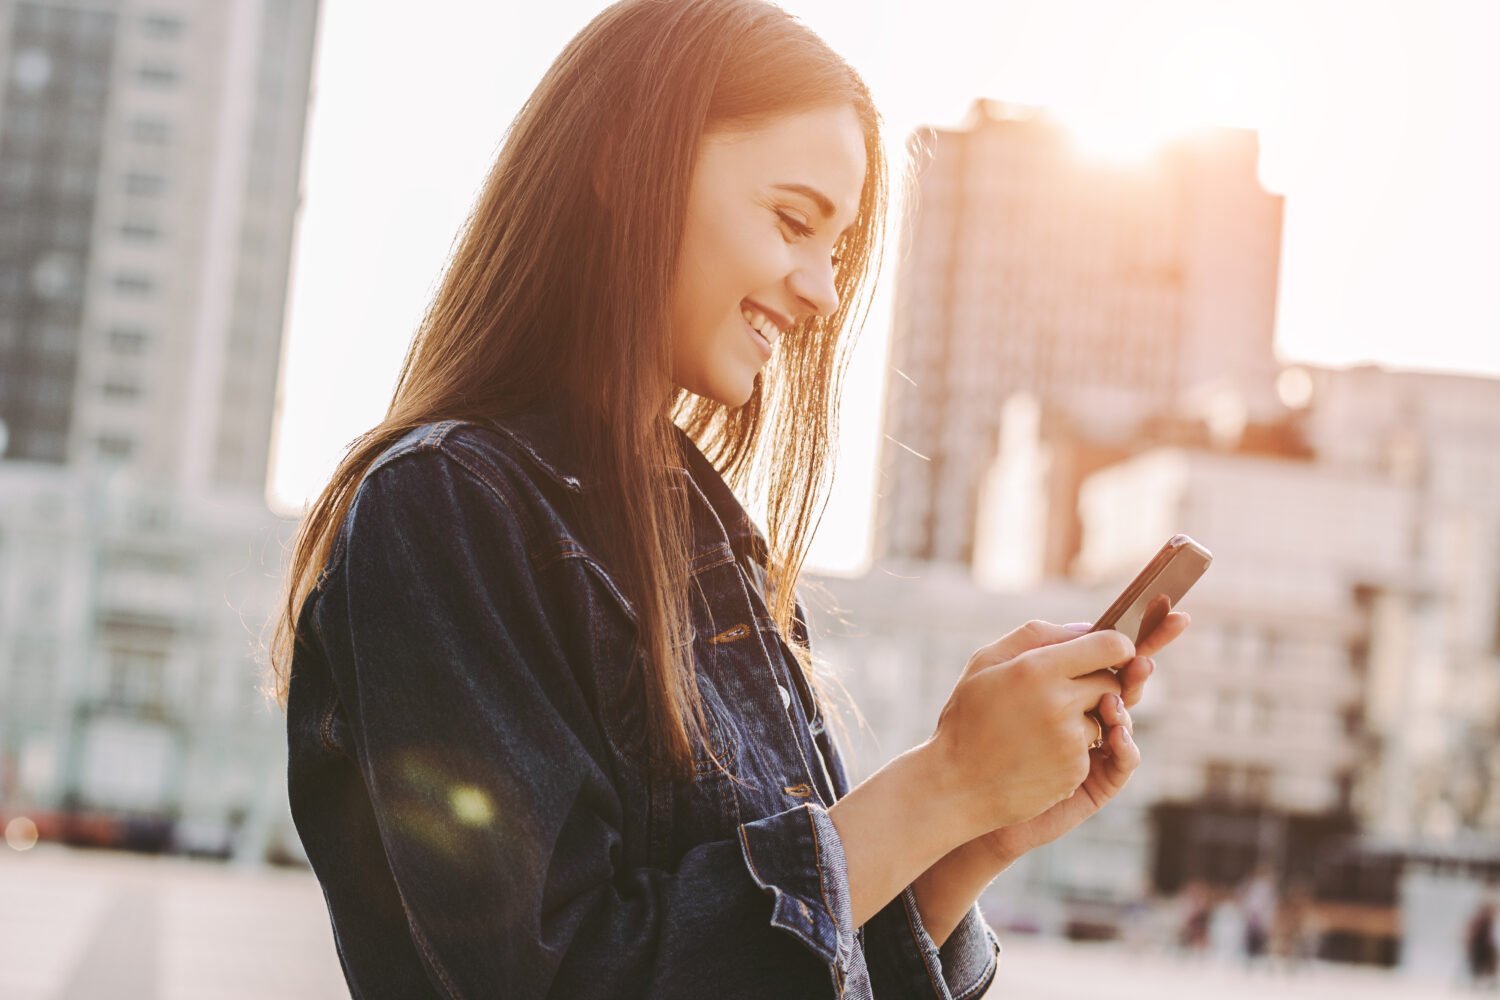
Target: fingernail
(1078,626)
(1119,703)
(1152,660)
(1125,735)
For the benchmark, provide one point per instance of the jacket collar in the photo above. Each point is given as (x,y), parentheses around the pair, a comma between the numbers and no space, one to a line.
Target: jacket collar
(537,432)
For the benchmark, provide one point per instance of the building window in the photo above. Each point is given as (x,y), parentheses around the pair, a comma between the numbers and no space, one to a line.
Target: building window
(132,283)
(121,391)
(116,446)
(1353,719)
(136,676)
(157,74)
(151,131)
(75,181)
(127,340)
(141,183)
(50,392)
(70,229)
(140,232)
(1217,779)
(162,25)
(1359,655)
(1257,785)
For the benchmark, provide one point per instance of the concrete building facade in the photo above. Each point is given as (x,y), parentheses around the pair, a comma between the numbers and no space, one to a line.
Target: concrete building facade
(150,175)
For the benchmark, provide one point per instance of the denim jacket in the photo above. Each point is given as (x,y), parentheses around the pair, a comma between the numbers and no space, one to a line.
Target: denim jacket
(464,780)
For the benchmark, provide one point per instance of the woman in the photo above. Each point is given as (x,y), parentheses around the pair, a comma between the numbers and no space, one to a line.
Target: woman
(553,728)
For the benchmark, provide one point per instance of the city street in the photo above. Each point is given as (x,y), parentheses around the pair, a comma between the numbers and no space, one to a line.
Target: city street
(78,925)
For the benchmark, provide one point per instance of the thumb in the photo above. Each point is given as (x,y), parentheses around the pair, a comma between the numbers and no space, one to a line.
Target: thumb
(1033,635)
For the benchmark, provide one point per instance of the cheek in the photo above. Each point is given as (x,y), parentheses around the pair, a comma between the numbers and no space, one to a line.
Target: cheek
(722,263)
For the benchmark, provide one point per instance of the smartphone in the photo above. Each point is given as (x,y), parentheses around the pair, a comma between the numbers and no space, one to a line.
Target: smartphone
(1156,590)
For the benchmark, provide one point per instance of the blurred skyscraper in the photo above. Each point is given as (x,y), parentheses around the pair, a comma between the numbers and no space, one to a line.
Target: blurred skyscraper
(1117,294)
(150,162)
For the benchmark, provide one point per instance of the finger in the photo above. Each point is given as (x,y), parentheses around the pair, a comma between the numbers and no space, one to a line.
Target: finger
(1033,635)
(1161,637)
(1084,654)
(1113,712)
(1133,677)
(1125,756)
(1091,690)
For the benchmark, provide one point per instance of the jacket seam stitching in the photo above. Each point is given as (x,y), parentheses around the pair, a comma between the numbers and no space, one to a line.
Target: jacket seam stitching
(325,727)
(793,930)
(422,943)
(838,958)
(917,940)
(496,488)
(992,968)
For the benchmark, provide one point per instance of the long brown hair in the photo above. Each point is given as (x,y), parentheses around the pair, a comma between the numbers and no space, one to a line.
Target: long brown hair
(558,287)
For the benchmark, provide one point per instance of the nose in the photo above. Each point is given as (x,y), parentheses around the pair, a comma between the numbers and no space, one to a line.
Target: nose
(814,287)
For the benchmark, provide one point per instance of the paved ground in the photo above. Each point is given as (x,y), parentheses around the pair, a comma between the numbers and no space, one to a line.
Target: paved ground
(77,925)
(85,925)
(1047,970)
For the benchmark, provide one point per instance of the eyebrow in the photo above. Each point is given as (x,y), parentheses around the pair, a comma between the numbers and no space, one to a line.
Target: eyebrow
(825,205)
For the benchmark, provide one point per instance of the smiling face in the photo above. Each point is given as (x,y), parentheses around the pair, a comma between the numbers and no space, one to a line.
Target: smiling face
(765,209)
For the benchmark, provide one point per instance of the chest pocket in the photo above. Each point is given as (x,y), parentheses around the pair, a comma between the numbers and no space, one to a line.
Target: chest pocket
(620,677)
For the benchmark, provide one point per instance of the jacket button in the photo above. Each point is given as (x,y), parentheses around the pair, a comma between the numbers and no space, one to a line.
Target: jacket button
(786,697)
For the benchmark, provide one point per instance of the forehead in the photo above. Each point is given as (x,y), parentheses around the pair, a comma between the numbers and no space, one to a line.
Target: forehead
(823,149)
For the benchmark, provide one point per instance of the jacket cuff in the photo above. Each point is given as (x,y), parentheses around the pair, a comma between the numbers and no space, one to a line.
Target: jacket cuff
(798,858)
(905,962)
(971,955)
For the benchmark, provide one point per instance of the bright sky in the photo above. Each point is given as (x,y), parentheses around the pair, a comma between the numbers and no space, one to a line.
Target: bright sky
(1378,122)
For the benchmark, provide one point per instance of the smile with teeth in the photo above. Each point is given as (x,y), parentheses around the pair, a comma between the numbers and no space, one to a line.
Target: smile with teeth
(761,324)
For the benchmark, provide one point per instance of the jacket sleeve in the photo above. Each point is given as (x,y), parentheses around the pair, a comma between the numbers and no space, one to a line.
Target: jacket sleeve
(902,959)
(491,784)
(905,962)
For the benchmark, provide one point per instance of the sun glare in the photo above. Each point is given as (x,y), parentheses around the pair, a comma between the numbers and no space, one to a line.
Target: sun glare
(1160,77)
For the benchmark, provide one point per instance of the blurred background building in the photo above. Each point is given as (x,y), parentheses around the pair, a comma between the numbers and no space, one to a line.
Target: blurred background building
(150,161)
(1115,294)
(1082,367)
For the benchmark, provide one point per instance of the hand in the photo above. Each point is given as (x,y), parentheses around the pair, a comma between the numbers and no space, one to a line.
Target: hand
(1109,768)
(1012,740)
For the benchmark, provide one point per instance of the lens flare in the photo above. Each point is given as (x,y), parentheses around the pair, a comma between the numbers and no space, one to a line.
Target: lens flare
(471,805)
(20,834)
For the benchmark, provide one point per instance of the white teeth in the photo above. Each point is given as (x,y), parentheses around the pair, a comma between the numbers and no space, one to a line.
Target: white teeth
(761,323)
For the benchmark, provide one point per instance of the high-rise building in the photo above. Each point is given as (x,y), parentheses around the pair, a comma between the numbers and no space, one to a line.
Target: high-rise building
(150,156)
(150,170)
(1113,294)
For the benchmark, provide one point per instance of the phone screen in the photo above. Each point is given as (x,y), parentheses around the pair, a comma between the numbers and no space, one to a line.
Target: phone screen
(1156,589)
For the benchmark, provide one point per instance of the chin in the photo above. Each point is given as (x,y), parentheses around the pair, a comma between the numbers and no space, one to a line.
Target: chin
(731,393)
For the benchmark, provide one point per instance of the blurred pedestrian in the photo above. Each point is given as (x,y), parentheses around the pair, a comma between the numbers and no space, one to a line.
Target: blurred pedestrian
(1226,929)
(1480,948)
(1258,900)
(1293,935)
(1196,905)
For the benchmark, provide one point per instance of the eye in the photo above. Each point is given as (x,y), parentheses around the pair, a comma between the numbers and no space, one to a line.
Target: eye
(798,227)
